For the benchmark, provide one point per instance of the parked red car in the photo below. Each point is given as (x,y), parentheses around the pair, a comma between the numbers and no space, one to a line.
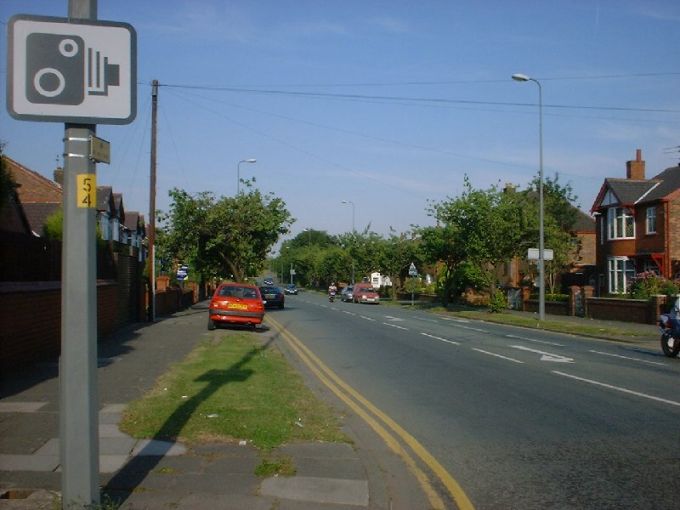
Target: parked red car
(236,303)
(365,293)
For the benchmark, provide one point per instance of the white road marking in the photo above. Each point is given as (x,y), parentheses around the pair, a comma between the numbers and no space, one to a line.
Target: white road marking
(440,339)
(395,326)
(349,313)
(497,355)
(454,320)
(534,340)
(395,319)
(367,318)
(628,358)
(545,356)
(618,388)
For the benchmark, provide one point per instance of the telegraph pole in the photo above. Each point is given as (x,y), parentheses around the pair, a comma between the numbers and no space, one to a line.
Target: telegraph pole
(152,203)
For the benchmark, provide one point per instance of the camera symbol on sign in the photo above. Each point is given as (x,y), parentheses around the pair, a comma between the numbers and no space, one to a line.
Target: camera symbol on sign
(61,69)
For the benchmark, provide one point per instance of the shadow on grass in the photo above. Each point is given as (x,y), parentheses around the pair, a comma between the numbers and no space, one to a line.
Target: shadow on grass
(124,482)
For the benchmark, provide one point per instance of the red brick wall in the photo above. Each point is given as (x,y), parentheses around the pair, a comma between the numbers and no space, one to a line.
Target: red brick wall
(626,310)
(30,314)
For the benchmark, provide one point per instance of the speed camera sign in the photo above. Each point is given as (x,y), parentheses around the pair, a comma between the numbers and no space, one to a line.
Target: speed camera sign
(79,71)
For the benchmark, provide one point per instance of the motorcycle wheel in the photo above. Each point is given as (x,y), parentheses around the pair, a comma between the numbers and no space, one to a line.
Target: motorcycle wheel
(669,345)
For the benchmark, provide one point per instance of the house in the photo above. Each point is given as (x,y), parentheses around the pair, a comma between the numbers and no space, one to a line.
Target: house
(636,218)
(134,232)
(39,196)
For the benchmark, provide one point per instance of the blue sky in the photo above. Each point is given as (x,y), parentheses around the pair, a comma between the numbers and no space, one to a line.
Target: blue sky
(386,104)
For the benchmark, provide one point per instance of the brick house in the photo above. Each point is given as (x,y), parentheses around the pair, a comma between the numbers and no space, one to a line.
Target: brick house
(636,218)
(39,197)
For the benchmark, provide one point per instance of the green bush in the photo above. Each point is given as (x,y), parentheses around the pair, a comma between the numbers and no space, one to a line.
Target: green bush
(649,284)
(498,301)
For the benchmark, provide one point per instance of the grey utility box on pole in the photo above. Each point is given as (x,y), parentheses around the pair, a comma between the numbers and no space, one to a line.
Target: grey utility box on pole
(81,72)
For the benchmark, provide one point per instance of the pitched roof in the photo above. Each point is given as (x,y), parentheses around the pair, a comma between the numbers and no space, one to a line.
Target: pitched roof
(105,199)
(629,191)
(33,187)
(669,182)
(37,215)
(584,222)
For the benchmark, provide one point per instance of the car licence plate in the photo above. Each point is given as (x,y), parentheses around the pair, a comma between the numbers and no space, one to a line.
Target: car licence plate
(237,306)
(270,296)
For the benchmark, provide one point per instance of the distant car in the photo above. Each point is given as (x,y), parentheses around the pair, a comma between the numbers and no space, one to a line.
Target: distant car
(365,293)
(290,289)
(346,294)
(268,281)
(273,297)
(235,303)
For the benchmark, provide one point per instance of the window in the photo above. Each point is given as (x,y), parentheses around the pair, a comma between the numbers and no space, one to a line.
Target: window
(651,220)
(621,271)
(621,223)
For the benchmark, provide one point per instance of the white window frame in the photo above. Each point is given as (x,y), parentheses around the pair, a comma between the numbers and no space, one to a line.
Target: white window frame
(620,270)
(618,219)
(650,220)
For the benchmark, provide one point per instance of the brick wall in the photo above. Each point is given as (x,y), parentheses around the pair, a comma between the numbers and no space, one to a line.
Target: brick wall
(642,311)
(30,314)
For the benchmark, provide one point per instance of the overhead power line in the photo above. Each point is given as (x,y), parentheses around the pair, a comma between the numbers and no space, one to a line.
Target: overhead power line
(430,100)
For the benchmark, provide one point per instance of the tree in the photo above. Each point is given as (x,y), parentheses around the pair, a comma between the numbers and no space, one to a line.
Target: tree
(475,232)
(399,251)
(225,237)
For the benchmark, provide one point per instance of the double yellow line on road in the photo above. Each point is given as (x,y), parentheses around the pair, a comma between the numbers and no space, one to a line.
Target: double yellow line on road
(380,423)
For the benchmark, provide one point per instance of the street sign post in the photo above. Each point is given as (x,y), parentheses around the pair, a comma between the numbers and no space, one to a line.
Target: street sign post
(412,272)
(82,72)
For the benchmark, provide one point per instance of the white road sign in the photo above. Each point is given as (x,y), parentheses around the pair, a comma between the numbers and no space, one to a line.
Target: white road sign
(79,71)
(534,254)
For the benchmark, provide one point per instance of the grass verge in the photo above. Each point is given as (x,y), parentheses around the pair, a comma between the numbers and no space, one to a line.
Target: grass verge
(233,388)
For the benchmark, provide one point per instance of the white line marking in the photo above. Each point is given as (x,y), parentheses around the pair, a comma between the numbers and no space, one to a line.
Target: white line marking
(440,339)
(367,318)
(395,326)
(454,320)
(617,388)
(626,357)
(534,340)
(349,313)
(545,356)
(395,319)
(497,355)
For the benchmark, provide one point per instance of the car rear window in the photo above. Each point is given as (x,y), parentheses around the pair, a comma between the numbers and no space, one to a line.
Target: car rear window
(238,292)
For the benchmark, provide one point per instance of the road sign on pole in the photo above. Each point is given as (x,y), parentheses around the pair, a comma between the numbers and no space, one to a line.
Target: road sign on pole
(412,271)
(71,70)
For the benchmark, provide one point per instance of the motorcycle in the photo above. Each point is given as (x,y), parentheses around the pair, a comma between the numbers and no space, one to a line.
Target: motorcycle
(669,324)
(331,296)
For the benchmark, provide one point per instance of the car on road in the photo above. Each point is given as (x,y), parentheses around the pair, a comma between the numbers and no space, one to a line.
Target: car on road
(346,293)
(365,293)
(235,303)
(273,296)
(290,289)
(268,281)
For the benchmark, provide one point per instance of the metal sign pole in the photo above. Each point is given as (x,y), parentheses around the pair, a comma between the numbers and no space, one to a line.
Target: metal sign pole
(79,407)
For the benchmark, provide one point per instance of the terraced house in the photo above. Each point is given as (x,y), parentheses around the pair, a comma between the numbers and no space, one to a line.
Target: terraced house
(638,226)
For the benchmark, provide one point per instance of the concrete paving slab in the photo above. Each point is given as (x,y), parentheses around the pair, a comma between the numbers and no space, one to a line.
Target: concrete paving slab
(116,445)
(224,502)
(112,463)
(51,447)
(21,407)
(156,448)
(109,418)
(29,462)
(110,430)
(112,408)
(320,490)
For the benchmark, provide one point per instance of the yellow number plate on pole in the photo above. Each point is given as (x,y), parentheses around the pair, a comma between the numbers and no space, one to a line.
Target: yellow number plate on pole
(87,190)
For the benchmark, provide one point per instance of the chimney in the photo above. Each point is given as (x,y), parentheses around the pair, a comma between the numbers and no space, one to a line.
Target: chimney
(59,176)
(636,169)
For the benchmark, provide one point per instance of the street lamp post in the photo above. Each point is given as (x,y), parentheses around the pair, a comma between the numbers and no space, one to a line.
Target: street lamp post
(541,234)
(352,204)
(238,172)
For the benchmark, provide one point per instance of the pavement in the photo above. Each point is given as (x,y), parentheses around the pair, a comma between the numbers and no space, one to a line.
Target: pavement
(152,474)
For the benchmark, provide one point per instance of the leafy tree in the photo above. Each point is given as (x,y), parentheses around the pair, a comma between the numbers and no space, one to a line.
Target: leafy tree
(54,225)
(225,237)
(399,252)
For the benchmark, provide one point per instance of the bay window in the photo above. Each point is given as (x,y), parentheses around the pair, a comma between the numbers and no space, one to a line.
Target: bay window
(620,223)
(620,272)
